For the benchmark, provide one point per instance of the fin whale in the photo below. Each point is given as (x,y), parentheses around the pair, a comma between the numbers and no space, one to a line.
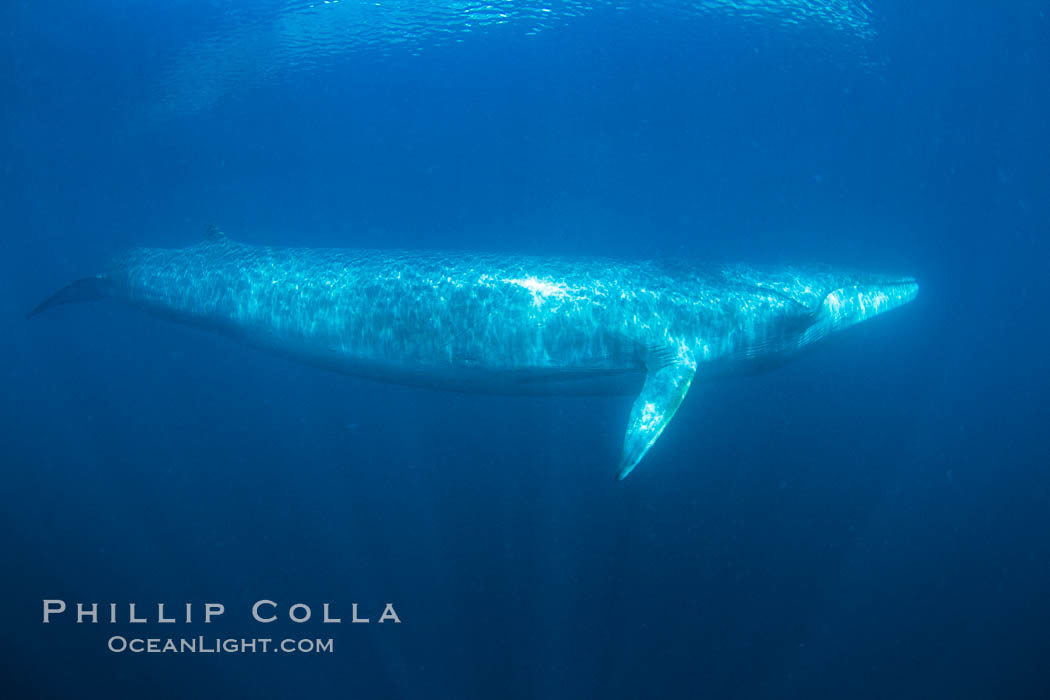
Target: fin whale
(501,323)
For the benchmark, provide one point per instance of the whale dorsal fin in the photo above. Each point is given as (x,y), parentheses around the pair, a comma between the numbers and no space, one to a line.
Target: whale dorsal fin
(667,381)
(214,234)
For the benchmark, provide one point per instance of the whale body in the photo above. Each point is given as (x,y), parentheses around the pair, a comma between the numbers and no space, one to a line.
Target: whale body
(501,323)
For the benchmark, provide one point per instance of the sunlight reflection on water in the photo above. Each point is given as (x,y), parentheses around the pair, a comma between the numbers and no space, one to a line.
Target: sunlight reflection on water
(250,49)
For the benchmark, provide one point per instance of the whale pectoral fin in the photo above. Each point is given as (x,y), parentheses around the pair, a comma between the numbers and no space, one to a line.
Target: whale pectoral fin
(664,389)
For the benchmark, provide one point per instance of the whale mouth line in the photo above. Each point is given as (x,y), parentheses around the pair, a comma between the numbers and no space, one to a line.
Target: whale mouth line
(910,285)
(893,283)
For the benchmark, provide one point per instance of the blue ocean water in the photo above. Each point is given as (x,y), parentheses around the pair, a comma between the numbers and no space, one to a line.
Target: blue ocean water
(868,521)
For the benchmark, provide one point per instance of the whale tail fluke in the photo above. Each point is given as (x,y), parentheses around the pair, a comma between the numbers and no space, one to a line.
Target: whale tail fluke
(87,289)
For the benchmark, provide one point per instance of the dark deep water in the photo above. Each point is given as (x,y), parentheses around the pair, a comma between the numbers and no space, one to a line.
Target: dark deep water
(872,520)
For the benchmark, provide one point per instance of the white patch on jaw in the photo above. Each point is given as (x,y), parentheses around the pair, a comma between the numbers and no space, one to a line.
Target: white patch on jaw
(834,302)
(541,289)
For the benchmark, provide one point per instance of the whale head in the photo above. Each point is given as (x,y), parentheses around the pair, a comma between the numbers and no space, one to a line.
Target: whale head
(851,304)
(828,299)
(856,297)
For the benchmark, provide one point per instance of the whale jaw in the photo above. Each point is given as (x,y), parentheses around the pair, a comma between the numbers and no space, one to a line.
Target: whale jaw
(847,306)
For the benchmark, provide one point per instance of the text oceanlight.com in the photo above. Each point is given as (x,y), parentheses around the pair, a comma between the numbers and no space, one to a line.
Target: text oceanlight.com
(216,645)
